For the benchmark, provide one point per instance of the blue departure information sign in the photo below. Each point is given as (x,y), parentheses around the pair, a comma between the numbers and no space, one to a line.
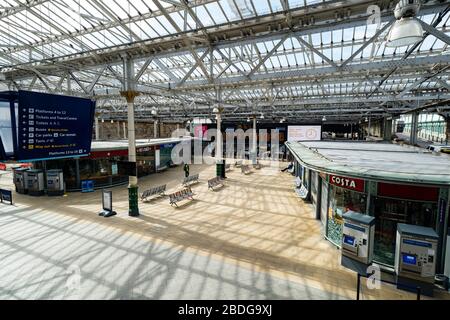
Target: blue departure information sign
(53,126)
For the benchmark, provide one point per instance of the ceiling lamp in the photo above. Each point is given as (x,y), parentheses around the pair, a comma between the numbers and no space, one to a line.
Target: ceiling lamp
(248,119)
(262,116)
(407,30)
(324,118)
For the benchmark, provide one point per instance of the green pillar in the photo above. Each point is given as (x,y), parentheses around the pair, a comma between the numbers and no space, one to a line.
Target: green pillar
(133,210)
(130,94)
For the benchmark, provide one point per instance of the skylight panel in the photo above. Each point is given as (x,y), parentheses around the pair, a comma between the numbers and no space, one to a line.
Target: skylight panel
(179,21)
(261,6)
(215,11)
(162,26)
(203,16)
(337,36)
(276,5)
(230,10)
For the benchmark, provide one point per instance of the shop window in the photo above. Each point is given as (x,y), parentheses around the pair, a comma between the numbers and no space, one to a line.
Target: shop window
(388,213)
(341,201)
(307,173)
(145,163)
(165,156)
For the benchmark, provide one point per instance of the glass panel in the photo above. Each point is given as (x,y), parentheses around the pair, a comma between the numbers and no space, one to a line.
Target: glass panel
(341,201)
(389,212)
(324,203)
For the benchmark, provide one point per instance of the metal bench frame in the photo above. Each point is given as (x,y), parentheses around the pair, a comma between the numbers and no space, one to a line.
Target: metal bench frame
(161,168)
(215,182)
(245,169)
(238,163)
(257,166)
(159,191)
(190,180)
(181,195)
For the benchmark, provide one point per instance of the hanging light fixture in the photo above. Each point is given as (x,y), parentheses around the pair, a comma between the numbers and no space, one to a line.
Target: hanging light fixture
(407,30)
(324,118)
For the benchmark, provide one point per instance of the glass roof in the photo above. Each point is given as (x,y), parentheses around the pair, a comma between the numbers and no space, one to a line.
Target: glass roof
(35,33)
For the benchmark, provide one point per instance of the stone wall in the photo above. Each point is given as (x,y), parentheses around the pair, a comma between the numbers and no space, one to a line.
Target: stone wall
(144,130)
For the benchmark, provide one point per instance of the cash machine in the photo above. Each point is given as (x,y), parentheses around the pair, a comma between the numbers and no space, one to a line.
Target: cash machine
(35,182)
(357,241)
(415,258)
(20,179)
(55,182)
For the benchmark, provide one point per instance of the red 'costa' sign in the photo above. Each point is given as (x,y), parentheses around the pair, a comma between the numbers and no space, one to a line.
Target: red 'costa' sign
(347,183)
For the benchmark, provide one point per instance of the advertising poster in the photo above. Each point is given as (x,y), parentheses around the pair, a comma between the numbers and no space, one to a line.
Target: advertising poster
(200,131)
(107,200)
(53,126)
(304,133)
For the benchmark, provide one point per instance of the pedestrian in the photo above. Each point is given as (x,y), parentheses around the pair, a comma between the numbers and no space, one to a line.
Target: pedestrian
(186,170)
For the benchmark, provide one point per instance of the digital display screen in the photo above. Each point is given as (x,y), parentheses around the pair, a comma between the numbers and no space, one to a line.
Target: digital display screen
(409,259)
(304,133)
(53,126)
(349,240)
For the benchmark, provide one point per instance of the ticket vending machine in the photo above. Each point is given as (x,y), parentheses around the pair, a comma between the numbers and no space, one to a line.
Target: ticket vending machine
(415,258)
(447,260)
(20,179)
(357,241)
(55,183)
(35,182)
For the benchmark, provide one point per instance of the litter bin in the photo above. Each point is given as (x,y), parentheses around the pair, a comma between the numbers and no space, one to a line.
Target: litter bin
(220,169)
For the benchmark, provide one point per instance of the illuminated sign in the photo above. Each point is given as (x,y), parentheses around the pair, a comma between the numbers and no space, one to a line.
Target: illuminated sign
(304,133)
(347,183)
(53,126)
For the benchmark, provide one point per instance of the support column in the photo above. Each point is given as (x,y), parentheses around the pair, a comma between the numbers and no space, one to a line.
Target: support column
(118,129)
(130,94)
(387,129)
(219,157)
(77,173)
(124,130)
(254,152)
(414,128)
(155,129)
(369,129)
(447,130)
(97,129)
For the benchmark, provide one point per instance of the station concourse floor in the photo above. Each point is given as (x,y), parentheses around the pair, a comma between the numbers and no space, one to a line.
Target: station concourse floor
(252,239)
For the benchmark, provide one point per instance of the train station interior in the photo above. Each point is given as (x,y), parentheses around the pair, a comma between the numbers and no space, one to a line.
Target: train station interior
(224,150)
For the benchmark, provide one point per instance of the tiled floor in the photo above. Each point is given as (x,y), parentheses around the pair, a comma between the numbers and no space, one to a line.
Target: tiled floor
(252,239)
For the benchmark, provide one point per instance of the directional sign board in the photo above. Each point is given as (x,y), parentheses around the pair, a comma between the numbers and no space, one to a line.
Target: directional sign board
(53,126)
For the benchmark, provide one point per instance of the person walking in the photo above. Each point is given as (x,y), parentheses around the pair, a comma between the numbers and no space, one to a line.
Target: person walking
(186,170)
